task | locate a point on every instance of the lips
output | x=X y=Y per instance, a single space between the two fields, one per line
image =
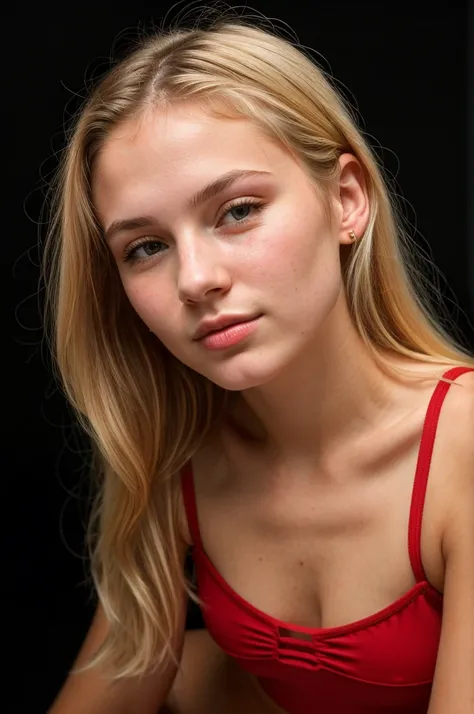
x=224 y=327
x=209 y=326
x=231 y=335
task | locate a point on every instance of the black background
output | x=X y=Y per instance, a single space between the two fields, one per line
x=405 y=67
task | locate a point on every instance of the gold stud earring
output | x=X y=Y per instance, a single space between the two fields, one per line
x=352 y=236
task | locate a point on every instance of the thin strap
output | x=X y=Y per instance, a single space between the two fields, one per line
x=423 y=468
x=189 y=498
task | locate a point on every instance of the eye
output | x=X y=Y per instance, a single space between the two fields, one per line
x=130 y=254
x=243 y=203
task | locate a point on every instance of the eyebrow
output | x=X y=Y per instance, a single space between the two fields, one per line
x=200 y=197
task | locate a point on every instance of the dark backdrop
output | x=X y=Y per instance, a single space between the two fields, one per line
x=405 y=65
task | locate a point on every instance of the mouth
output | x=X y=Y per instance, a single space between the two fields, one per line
x=225 y=327
x=231 y=334
x=221 y=324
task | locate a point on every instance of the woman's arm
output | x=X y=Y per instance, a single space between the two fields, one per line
x=91 y=693
x=453 y=686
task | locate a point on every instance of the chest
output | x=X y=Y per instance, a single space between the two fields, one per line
x=323 y=553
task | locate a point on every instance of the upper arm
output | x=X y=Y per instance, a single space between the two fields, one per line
x=453 y=686
x=90 y=693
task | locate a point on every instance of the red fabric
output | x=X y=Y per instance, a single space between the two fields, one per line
x=382 y=663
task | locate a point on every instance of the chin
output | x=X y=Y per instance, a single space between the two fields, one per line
x=236 y=384
x=246 y=371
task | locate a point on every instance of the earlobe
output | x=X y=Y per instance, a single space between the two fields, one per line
x=349 y=237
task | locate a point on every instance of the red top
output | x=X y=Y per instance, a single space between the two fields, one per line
x=382 y=663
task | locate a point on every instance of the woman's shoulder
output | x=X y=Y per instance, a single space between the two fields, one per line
x=207 y=466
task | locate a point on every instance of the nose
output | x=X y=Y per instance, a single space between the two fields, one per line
x=201 y=271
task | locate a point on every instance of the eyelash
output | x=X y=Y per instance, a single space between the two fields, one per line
x=128 y=254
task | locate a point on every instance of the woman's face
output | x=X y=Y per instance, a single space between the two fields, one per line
x=182 y=262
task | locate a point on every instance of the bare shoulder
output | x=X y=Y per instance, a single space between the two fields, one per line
x=206 y=461
x=457 y=413
x=456 y=444
x=459 y=400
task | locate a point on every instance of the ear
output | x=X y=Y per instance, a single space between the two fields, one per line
x=351 y=197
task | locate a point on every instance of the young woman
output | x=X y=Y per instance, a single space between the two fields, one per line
x=236 y=322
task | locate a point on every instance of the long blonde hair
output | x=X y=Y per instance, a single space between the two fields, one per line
x=145 y=412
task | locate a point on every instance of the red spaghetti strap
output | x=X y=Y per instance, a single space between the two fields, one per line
x=423 y=467
x=189 y=498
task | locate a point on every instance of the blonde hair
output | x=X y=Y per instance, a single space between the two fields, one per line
x=145 y=412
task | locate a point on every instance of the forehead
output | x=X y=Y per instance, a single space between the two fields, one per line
x=185 y=131
x=172 y=152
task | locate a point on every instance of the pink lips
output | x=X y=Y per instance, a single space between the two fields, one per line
x=229 y=336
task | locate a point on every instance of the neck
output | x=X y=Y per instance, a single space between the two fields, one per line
x=331 y=398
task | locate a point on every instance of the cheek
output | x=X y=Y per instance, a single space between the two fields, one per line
x=317 y=282
x=162 y=314
x=295 y=257
x=152 y=306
